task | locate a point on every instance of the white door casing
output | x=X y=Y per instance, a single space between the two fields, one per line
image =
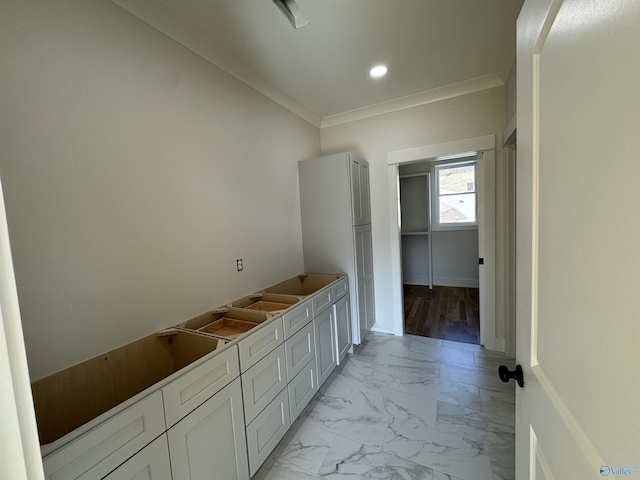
x=578 y=234
x=484 y=146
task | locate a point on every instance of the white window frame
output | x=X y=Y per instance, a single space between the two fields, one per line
x=435 y=200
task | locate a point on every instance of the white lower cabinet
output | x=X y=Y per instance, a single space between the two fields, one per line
x=326 y=357
x=108 y=445
x=150 y=463
x=266 y=430
x=341 y=310
x=302 y=389
x=299 y=350
x=262 y=382
x=210 y=442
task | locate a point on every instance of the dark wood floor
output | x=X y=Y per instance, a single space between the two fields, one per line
x=448 y=313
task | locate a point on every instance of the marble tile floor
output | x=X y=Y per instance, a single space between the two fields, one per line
x=404 y=408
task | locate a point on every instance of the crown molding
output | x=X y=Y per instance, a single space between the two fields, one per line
x=429 y=96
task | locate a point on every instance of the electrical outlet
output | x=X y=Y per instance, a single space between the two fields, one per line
x=239 y=265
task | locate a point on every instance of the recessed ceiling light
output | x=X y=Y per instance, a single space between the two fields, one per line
x=378 y=71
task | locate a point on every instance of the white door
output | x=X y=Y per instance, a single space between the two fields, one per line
x=578 y=237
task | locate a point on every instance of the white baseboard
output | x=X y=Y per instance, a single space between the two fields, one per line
x=456 y=282
x=415 y=280
x=384 y=330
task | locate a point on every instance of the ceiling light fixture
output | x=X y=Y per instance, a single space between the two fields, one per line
x=378 y=71
x=293 y=12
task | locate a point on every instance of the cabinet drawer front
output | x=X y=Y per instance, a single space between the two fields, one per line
x=262 y=382
x=195 y=387
x=321 y=301
x=151 y=463
x=297 y=318
x=299 y=350
x=340 y=289
x=302 y=389
x=108 y=445
x=210 y=442
x=268 y=428
x=260 y=343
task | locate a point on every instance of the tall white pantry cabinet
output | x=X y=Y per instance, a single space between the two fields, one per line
x=336 y=228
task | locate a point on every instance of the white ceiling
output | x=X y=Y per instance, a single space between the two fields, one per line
x=322 y=69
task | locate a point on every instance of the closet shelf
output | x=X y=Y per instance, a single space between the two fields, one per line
x=417 y=232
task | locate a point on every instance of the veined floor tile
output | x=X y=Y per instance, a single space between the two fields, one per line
x=444 y=452
x=351 y=460
x=277 y=469
x=409 y=360
x=499 y=401
x=373 y=374
x=471 y=376
x=305 y=446
x=401 y=407
x=350 y=421
x=439 y=353
x=440 y=389
x=481 y=427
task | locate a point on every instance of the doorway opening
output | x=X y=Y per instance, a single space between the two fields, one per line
x=439 y=248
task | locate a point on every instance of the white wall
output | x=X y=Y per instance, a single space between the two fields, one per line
x=461 y=117
x=135 y=173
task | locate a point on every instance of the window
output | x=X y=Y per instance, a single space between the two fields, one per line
x=456 y=194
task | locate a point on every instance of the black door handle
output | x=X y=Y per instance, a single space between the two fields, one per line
x=505 y=374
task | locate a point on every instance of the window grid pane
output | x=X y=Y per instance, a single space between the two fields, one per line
x=457 y=194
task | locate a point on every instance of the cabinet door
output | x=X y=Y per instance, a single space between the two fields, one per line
x=342 y=327
x=262 y=382
x=210 y=442
x=302 y=389
x=360 y=201
x=193 y=388
x=266 y=430
x=299 y=350
x=364 y=282
x=151 y=463
x=326 y=357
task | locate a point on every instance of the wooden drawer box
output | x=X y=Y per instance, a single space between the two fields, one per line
x=110 y=444
x=227 y=323
x=262 y=382
x=270 y=303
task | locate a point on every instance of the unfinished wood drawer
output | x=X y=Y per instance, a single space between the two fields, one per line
x=302 y=389
x=260 y=343
x=297 y=318
x=340 y=289
x=266 y=430
x=299 y=350
x=196 y=386
x=321 y=301
x=105 y=447
x=262 y=382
